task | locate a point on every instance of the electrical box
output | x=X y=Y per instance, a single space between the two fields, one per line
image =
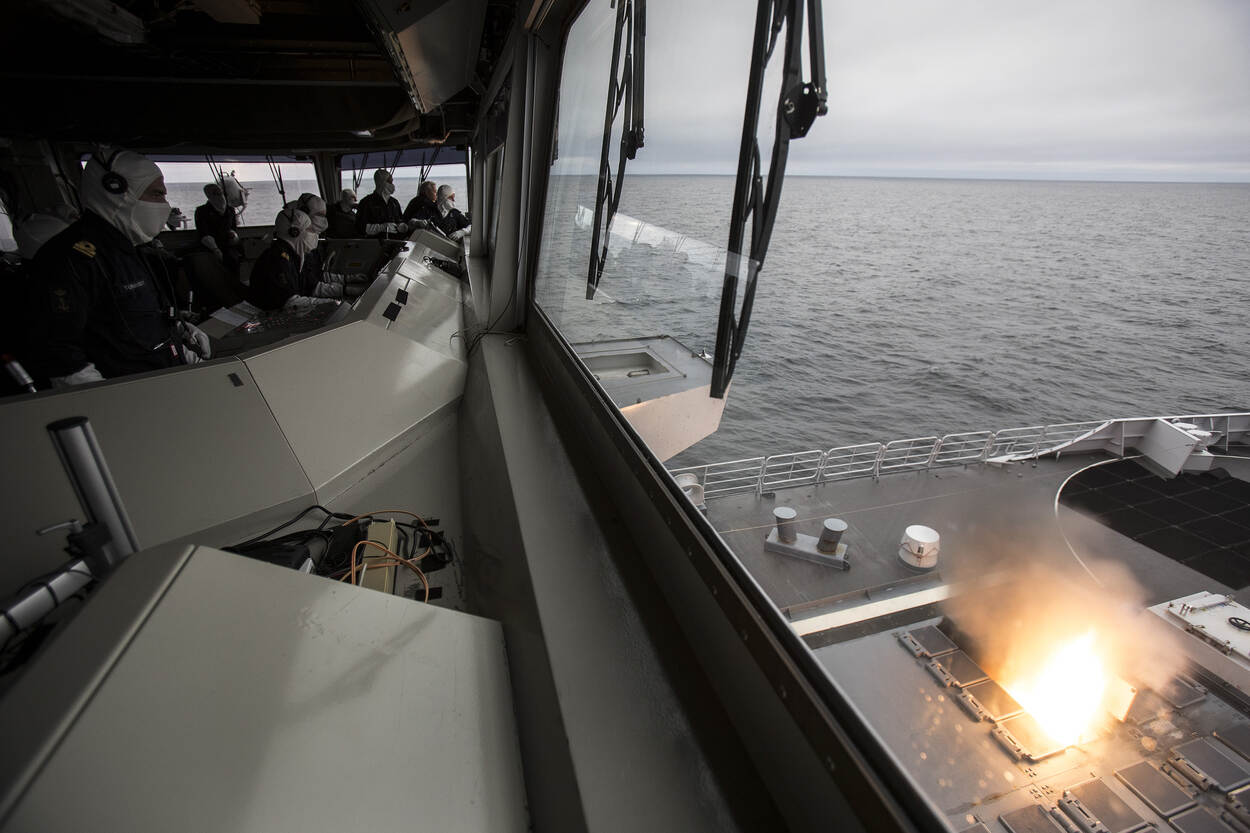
x=379 y=571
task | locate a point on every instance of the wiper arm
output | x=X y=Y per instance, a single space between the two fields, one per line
x=798 y=106
x=625 y=87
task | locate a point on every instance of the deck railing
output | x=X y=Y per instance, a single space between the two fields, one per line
x=800 y=468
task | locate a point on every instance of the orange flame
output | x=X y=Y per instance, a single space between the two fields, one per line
x=1065 y=692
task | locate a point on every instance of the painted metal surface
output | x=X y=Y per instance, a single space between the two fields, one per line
x=189 y=449
x=254 y=698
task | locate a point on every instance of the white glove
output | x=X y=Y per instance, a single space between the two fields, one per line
x=194 y=342
x=303 y=301
x=462 y=233
x=78 y=377
x=392 y=228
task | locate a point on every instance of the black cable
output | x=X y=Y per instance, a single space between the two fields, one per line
x=329 y=514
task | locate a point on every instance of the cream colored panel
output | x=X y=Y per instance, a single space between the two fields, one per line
x=345 y=396
x=255 y=698
x=188 y=448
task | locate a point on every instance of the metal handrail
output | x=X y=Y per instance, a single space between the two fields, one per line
x=776 y=471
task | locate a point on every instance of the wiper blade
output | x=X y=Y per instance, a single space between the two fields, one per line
x=625 y=89
x=798 y=105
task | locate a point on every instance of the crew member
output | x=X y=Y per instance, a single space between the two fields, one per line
x=422 y=209
x=316 y=280
x=100 y=310
x=379 y=214
x=218 y=226
x=454 y=224
x=342 y=216
x=276 y=273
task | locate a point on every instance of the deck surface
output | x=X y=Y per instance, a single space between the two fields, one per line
x=990 y=519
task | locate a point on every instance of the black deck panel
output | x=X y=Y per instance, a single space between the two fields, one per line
x=1218 y=530
x=1133 y=521
x=1182 y=484
x=1130 y=492
x=1214 y=500
x=1199 y=820
x=1184 y=518
x=1236 y=738
x=1106 y=806
x=1167 y=509
x=1176 y=543
x=1226 y=566
x=997 y=703
x=961 y=666
x=1224 y=770
x=1031 y=819
x=932 y=640
x=1180 y=693
x=1159 y=792
x=1239 y=516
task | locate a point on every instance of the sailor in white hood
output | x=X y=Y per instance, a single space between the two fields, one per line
x=102 y=308
x=379 y=214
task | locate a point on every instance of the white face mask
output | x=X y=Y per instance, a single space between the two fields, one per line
x=142 y=220
x=445 y=205
x=320 y=223
x=310 y=240
x=219 y=203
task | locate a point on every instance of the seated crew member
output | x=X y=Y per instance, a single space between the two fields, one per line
x=422 y=209
x=316 y=281
x=342 y=216
x=276 y=280
x=454 y=224
x=100 y=310
x=379 y=214
x=218 y=226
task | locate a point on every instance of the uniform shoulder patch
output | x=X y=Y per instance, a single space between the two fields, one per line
x=86 y=247
x=286 y=256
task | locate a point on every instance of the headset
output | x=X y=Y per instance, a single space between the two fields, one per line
x=293 y=231
x=112 y=181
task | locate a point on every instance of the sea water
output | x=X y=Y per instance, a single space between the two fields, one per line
x=893 y=308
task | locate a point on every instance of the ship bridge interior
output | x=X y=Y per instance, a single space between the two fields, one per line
x=576 y=650
x=416 y=560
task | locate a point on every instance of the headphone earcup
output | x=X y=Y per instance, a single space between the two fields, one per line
x=114 y=183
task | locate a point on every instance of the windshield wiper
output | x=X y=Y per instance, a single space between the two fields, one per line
x=625 y=87
x=798 y=106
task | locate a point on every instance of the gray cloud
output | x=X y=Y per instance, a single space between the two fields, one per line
x=1119 y=89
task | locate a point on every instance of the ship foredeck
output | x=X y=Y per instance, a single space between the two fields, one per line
x=991 y=518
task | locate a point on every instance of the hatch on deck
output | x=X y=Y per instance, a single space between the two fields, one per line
x=661 y=386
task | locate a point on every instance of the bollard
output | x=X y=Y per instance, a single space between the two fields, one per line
x=831 y=535
x=784 y=515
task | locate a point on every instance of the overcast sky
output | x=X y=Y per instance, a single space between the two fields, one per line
x=1097 y=89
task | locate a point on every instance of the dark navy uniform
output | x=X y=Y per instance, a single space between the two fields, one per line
x=452 y=222
x=210 y=223
x=421 y=208
x=98 y=300
x=275 y=276
x=372 y=210
x=342 y=224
